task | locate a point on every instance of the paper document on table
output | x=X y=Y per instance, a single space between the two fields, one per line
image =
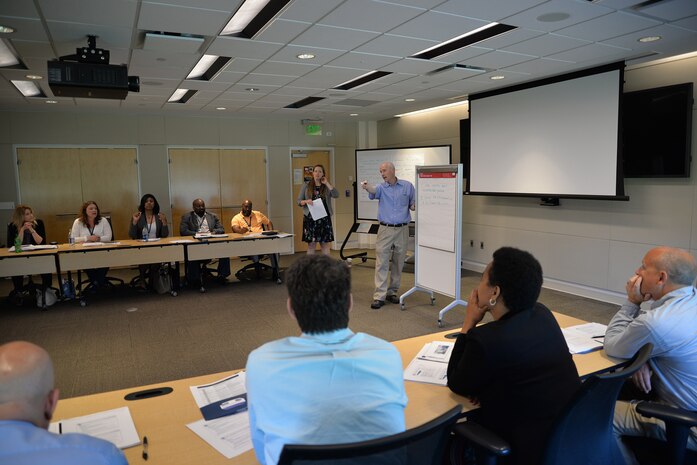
x=584 y=338
x=426 y=371
x=283 y=234
x=437 y=351
x=152 y=239
x=96 y=244
x=115 y=426
x=30 y=247
x=221 y=398
x=182 y=241
x=228 y=435
x=317 y=210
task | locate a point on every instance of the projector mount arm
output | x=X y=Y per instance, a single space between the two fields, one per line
x=89 y=54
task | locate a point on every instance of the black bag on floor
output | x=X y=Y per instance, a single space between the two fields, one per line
x=163 y=280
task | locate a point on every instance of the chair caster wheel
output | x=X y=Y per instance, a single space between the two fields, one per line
x=278 y=281
x=83 y=303
x=364 y=259
x=202 y=290
x=174 y=293
x=440 y=324
x=44 y=308
x=433 y=300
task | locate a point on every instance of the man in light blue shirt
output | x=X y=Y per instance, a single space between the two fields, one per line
x=27 y=402
x=395 y=198
x=329 y=385
x=666 y=276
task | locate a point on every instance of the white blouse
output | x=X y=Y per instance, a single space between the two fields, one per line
x=81 y=232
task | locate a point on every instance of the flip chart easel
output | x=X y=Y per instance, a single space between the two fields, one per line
x=438 y=234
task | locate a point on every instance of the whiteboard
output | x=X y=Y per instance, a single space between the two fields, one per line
x=439 y=229
x=405 y=161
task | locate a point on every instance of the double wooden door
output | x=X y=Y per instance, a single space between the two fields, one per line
x=55 y=181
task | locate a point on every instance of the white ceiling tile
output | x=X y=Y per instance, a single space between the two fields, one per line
x=297 y=91
x=169 y=60
x=668 y=33
x=542 y=67
x=333 y=37
x=309 y=10
x=290 y=54
x=396 y=46
x=487 y=9
x=605 y=27
x=413 y=66
x=437 y=26
x=171 y=18
x=220 y=5
x=369 y=15
x=27 y=48
x=254 y=79
x=498 y=59
x=364 y=61
x=242 y=48
x=115 y=13
x=25 y=29
x=172 y=44
x=18 y=9
x=670 y=11
x=577 y=11
x=509 y=38
x=73 y=35
x=285 y=69
x=205 y=85
x=547 y=44
x=282 y=31
x=588 y=52
x=687 y=23
x=461 y=55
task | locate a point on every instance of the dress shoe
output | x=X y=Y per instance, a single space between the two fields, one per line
x=393 y=299
x=377 y=304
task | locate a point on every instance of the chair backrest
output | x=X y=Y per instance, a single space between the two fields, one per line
x=422 y=445
x=582 y=435
x=113 y=236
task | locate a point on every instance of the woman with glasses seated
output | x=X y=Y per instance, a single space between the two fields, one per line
x=148 y=222
x=517 y=368
x=30 y=231
x=91 y=226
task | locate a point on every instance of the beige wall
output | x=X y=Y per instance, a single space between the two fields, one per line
x=587 y=247
x=152 y=134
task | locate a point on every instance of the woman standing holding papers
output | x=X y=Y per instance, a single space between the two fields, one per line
x=90 y=226
x=30 y=231
x=317 y=189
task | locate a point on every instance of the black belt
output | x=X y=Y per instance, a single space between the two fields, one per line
x=394 y=225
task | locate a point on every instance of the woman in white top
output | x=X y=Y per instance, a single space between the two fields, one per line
x=90 y=226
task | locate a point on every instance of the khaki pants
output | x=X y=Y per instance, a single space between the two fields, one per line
x=628 y=422
x=390 y=253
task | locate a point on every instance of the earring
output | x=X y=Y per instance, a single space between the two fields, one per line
x=492 y=302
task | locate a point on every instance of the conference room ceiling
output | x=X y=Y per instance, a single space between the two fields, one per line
x=348 y=39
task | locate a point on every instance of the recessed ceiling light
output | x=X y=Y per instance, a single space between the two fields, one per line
x=306 y=56
x=353 y=114
x=221 y=108
x=553 y=17
x=34 y=77
x=51 y=101
x=497 y=77
x=409 y=99
x=252 y=89
x=6 y=30
x=650 y=39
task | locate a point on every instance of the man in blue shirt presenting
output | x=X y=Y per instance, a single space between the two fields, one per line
x=27 y=402
x=328 y=385
x=395 y=198
x=666 y=277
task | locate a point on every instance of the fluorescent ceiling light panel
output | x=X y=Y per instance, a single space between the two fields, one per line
x=181 y=96
x=252 y=16
x=426 y=110
x=208 y=67
x=304 y=102
x=361 y=80
x=8 y=58
x=28 y=88
x=469 y=38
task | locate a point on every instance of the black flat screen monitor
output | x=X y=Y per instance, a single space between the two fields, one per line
x=657 y=132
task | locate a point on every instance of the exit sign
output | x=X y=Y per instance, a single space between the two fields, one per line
x=313 y=130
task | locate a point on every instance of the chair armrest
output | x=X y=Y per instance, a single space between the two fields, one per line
x=667 y=413
x=481 y=437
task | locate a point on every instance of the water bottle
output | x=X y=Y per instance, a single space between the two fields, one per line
x=18 y=244
x=71 y=240
x=145 y=235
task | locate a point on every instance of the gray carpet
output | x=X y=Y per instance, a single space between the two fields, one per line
x=124 y=338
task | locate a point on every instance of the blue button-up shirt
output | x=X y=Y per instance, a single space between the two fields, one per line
x=334 y=387
x=394 y=201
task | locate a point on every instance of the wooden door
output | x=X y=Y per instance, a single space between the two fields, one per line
x=193 y=174
x=49 y=182
x=304 y=161
x=110 y=178
x=242 y=176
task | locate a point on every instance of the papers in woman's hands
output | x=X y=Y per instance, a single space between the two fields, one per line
x=317 y=210
x=115 y=426
x=228 y=434
x=584 y=338
x=431 y=364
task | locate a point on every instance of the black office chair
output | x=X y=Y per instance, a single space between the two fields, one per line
x=258 y=269
x=581 y=435
x=111 y=280
x=423 y=445
x=672 y=451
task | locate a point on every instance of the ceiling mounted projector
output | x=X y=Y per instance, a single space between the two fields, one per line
x=88 y=74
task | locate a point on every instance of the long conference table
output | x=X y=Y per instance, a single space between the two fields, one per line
x=137 y=252
x=163 y=419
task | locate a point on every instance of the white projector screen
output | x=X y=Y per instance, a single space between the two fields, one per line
x=553 y=138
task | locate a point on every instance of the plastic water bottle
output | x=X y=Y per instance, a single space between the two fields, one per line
x=18 y=244
x=145 y=235
x=71 y=240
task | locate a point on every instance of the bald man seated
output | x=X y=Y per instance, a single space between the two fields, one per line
x=27 y=402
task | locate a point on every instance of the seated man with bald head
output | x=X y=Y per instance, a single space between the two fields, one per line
x=666 y=278
x=27 y=401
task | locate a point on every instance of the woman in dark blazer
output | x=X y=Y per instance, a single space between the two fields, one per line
x=517 y=367
x=30 y=231
x=148 y=222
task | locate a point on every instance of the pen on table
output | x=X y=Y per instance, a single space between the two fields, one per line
x=60 y=428
x=145 y=448
x=598 y=337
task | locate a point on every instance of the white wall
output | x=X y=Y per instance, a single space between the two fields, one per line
x=586 y=247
